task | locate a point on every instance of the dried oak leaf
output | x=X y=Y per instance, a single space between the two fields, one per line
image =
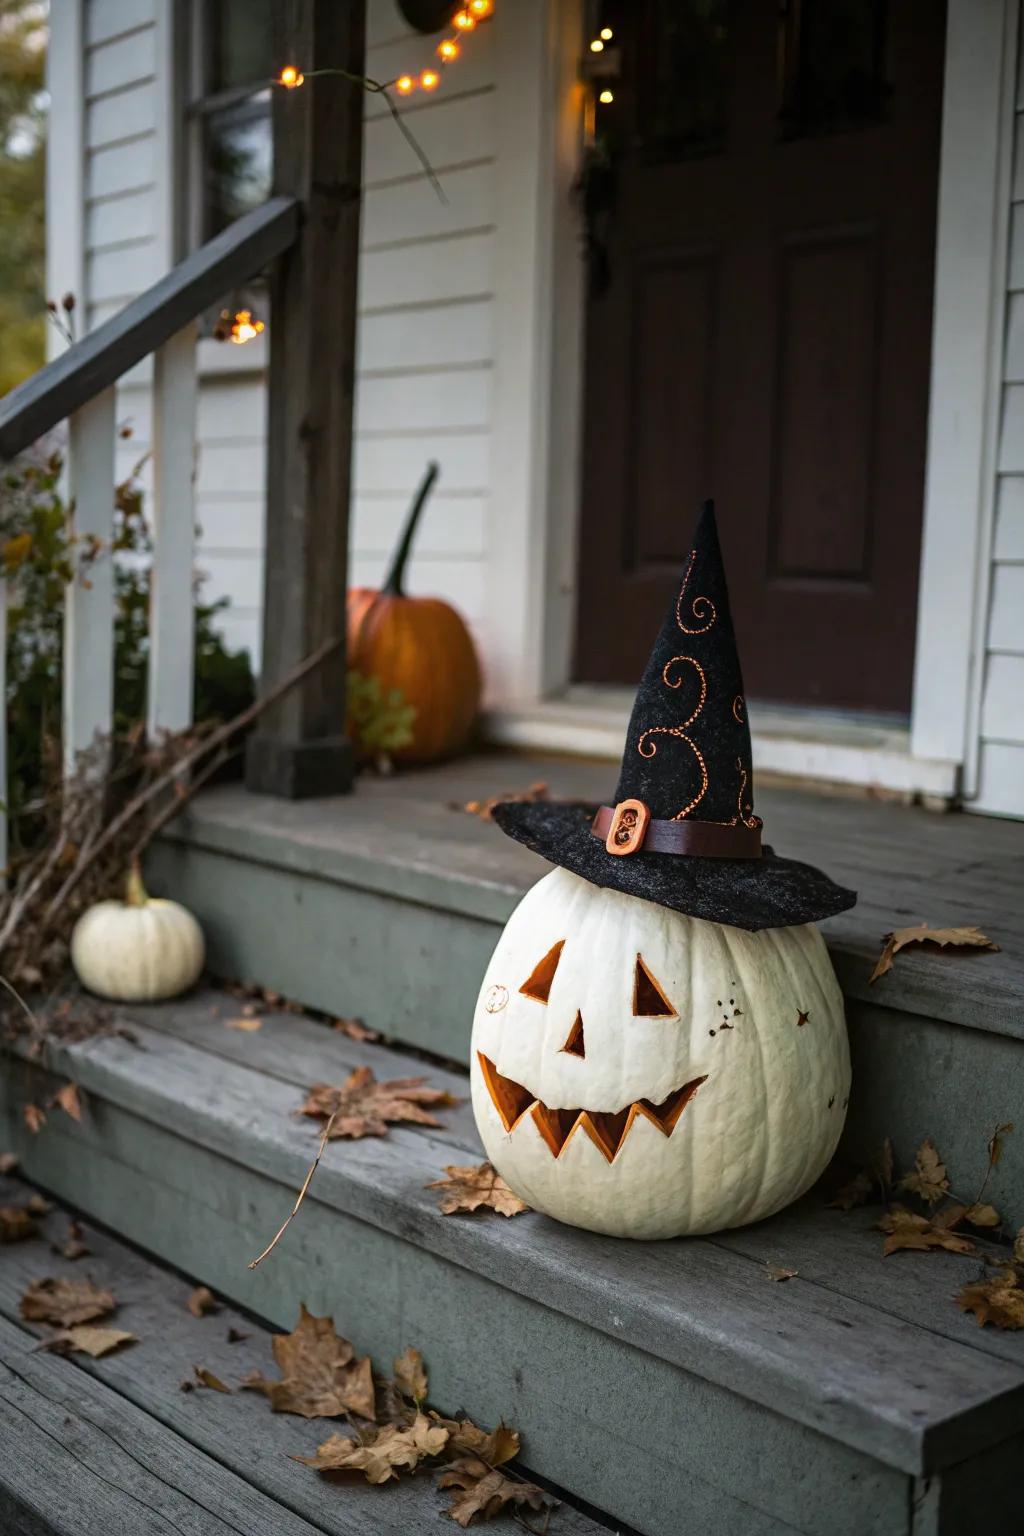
x=410 y=1375
x=494 y=1446
x=929 y=1179
x=201 y=1301
x=69 y=1099
x=96 y=1342
x=908 y=1230
x=380 y=1454
x=484 y=808
x=961 y=938
x=981 y=1215
x=364 y=1107
x=999 y=1301
x=320 y=1376
x=775 y=1272
x=65 y=1302
x=205 y=1378
x=33 y=1117
x=486 y=1492
x=467 y=1189
x=16 y=1223
x=355 y=1029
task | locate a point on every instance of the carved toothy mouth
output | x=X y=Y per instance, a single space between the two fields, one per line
x=607 y=1129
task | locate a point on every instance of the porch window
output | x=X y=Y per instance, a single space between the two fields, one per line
x=228 y=113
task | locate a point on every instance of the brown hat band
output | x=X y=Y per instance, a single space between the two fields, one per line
x=630 y=827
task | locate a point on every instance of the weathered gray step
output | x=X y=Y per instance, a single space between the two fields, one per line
x=114 y=1447
x=387 y=904
x=80 y=1459
x=648 y=1379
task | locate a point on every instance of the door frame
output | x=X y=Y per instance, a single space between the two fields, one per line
x=532 y=576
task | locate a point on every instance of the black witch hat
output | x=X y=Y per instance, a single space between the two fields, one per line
x=682 y=830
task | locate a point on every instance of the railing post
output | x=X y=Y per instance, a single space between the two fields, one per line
x=89 y=611
x=300 y=748
x=171 y=602
x=5 y=789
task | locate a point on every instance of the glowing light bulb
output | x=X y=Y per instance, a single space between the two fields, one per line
x=606 y=97
x=404 y=84
x=430 y=80
x=481 y=8
x=597 y=46
x=606 y=33
x=464 y=21
x=290 y=77
x=244 y=327
x=448 y=50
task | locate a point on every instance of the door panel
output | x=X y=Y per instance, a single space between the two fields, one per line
x=759 y=331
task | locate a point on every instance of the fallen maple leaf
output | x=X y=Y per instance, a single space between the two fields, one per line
x=69 y=1100
x=355 y=1029
x=65 y=1302
x=320 y=1376
x=380 y=1454
x=410 y=1374
x=16 y=1223
x=73 y=1246
x=908 y=1230
x=96 y=1342
x=857 y=1191
x=929 y=1179
x=364 y=1107
x=466 y=1189
x=999 y=1301
x=966 y=938
x=485 y=1491
x=34 y=1118
x=494 y=1446
x=776 y=1273
x=201 y=1301
x=206 y=1378
x=248 y=1022
x=981 y=1215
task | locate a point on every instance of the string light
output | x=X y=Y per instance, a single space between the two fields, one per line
x=404 y=84
x=242 y=328
x=430 y=80
x=291 y=78
x=606 y=97
x=607 y=34
x=448 y=50
x=481 y=8
x=597 y=46
x=464 y=21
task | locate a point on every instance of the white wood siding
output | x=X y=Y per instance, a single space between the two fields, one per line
x=426 y=322
x=1000 y=778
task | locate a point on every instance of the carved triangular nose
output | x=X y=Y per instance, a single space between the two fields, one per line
x=575 y=1044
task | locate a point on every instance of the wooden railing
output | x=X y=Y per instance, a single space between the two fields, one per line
x=80 y=387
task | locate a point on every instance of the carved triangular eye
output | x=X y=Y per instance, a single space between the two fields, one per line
x=575 y=1045
x=649 y=1001
x=538 y=984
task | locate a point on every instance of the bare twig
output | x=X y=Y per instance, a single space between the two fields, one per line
x=282 y=1229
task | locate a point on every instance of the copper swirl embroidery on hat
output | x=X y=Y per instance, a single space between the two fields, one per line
x=698 y=608
x=746 y=816
x=739 y=706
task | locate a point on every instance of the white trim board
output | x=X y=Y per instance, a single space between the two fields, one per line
x=65 y=162
x=967 y=338
x=822 y=747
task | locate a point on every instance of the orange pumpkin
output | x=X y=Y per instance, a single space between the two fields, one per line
x=420 y=646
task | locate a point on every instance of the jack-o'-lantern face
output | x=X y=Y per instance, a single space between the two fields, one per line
x=648 y=1074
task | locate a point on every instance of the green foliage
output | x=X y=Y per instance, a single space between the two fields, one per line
x=378 y=723
x=40 y=555
x=22 y=203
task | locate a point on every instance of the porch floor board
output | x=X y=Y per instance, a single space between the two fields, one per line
x=401 y=834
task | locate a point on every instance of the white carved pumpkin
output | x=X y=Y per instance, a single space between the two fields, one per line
x=651 y=1075
x=139 y=950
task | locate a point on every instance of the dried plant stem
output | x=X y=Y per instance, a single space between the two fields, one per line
x=162 y=782
x=282 y=1229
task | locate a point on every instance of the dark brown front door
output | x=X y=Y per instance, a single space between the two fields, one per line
x=758 y=330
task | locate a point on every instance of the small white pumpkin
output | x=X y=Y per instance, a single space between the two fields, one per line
x=649 y=1075
x=140 y=950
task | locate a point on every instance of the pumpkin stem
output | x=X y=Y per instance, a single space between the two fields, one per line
x=396 y=575
x=134 y=891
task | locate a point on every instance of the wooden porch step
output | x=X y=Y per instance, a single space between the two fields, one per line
x=115 y=1447
x=387 y=904
x=647 y=1379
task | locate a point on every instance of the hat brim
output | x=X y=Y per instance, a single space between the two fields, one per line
x=768 y=892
